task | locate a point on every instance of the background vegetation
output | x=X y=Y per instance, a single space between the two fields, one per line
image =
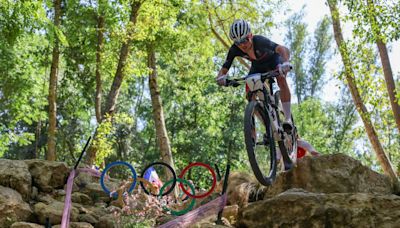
x=189 y=42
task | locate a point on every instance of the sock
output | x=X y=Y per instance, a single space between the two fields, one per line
x=286 y=111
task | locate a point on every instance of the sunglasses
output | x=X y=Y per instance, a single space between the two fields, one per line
x=242 y=41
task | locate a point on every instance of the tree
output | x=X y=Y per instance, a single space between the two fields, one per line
x=158 y=111
x=120 y=74
x=308 y=55
x=51 y=143
x=296 y=39
x=374 y=23
x=350 y=78
x=99 y=53
x=318 y=56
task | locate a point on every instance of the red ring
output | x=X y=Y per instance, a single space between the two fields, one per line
x=207 y=167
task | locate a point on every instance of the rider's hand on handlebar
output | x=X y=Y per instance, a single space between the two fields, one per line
x=284 y=68
x=221 y=80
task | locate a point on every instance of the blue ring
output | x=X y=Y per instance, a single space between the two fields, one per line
x=114 y=164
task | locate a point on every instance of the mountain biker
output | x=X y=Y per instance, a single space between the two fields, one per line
x=265 y=56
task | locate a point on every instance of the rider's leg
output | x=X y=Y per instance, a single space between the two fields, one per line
x=285 y=99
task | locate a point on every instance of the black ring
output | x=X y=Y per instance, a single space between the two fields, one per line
x=164 y=164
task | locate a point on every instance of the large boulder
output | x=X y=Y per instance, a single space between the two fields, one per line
x=298 y=208
x=15 y=174
x=26 y=225
x=48 y=175
x=12 y=207
x=335 y=173
x=107 y=221
x=54 y=212
x=94 y=191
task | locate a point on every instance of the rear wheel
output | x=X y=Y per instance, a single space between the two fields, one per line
x=260 y=144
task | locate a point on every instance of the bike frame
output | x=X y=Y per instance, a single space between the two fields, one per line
x=267 y=100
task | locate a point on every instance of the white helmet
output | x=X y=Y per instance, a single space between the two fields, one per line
x=239 y=29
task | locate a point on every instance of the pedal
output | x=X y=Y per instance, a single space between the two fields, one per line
x=265 y=139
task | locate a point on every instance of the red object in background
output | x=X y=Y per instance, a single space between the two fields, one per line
x=300 y=152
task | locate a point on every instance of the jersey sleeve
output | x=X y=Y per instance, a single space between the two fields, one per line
x=230 y=57
x=267 y=43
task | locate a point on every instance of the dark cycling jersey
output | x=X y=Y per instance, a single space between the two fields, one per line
x=266 y=57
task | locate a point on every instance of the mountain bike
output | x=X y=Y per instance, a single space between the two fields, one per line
x=266 y=141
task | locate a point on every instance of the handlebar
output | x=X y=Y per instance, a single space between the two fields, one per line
x=235 y=82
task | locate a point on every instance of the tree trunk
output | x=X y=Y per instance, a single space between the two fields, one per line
x=349 y=74
x=390 y=84
x=99 y=52
x=37 y=138
x=119 y=76
x=158 y=113
x=387 y=69
x=51 y=143
x=123 y=55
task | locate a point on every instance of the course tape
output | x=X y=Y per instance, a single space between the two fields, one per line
x=190 y=218
x=67 y=202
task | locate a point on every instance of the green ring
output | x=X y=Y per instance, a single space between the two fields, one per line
x=184 y=211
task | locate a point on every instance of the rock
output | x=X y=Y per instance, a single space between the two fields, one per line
x=298 y=208
x=26 y=225
x=336 y=173
x=243 y=187
x=35 y=193
x=15 y=174
x=81 y=198
x=87 y=218
x=54 y=212
x=210 y=222
x=45 y=198
x=76 y=225
x=231 y=213
x=107 y=221
x=48 y=175
x=95 y=192
x=12 y=207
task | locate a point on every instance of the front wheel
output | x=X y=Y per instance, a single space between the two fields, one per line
x=260 y=144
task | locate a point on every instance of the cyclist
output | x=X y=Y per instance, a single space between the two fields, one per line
x=264 y=55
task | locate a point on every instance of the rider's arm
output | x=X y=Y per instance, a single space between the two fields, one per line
x=223 y=71
x=232 y=53
x=283 y=52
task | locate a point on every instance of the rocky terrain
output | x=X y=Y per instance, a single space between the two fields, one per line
x=326 y=191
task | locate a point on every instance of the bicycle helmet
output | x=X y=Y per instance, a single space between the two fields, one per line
x=239 y=30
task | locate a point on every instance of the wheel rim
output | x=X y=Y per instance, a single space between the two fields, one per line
x=259 y=144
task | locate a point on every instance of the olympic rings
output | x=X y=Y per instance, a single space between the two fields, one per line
x=115 y=194
x=173 y=183
x=207 y=167
x=184 y=211
x=174 y=180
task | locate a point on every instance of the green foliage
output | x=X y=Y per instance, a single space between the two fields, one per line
x=329 y=127
x=204 y=121
x=308 y=56
x=375 y=19
x=106 y=135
